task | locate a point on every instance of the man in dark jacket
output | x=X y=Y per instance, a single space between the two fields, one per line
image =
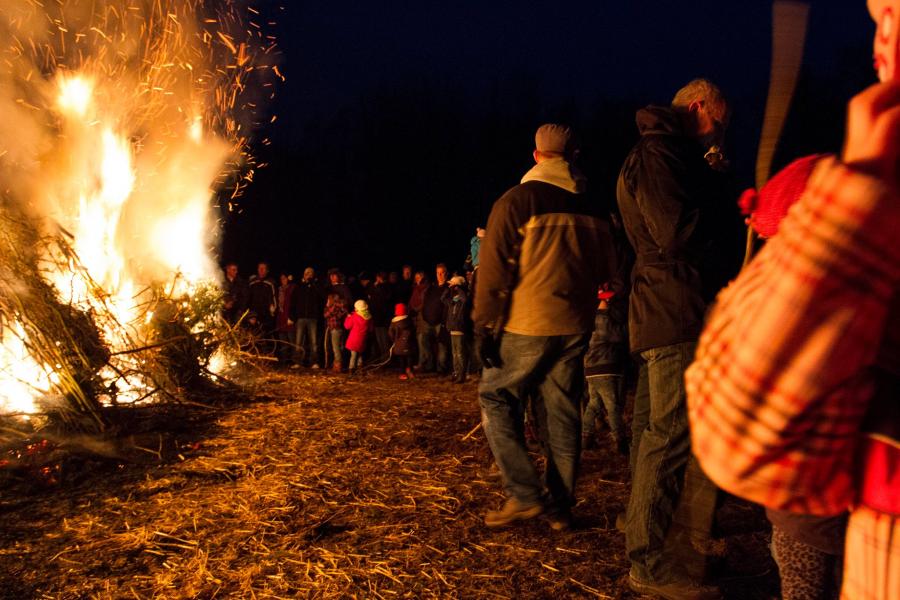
x=665 y=187
x=430 y=330
x=380 y=298
x=262 y=302
x=310 y=301
x=545 y=252
x=238 y=293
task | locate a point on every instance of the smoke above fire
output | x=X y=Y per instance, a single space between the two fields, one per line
x=121 y=123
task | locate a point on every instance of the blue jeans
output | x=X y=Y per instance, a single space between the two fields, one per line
x=605 y=390
x=336 y=336
x=550 y=369
x=460 y=349
x=307 y=329
x=661 y=449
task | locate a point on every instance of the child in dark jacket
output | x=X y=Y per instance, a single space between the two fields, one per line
x=456 y=297
x=604 y=367
x=401 y=334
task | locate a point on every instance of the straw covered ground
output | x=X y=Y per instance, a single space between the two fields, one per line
x=312 y=486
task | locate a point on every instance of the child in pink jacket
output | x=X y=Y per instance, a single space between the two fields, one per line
x=358 y=324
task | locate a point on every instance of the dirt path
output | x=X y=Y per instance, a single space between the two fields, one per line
x=320 y=487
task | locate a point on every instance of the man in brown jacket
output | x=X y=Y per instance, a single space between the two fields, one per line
x=545 y=252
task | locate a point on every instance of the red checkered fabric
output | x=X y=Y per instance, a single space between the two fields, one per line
x=783 y=372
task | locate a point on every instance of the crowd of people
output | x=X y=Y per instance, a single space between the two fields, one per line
x=399 y=318
x=781 y=388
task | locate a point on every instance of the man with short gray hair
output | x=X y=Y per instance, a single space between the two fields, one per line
x=664 y=190
x=545 y=251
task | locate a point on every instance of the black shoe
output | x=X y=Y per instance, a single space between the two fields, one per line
x=675 y=590
x=512 y=511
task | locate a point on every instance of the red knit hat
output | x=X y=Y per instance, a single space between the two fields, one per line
x=769 y=206
x=399 y=310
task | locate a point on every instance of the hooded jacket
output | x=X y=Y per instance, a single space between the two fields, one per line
x=545 y=251
x=358 y=327
x=456 y=299
x=401 y=333
x=608 y=349
x=664 y=187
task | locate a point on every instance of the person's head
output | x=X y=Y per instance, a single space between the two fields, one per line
x=457 y=280
x=284 y=278
x=393 y=277
x=420 y=277
x=231 y=271
x=407 y=272
x=704 y=111
x=399 y=310
x=334 y=276
x=440 y=273
x=380 y=277
x=360 y=306
x=309 y=274
x=262 y=270
x=886 y=14
x=553 y=140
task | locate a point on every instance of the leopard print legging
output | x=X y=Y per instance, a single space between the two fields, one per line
x=806 y=573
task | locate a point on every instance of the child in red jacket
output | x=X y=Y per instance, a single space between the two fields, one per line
x=358 y=325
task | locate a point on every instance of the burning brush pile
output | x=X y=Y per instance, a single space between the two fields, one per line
x=122 y=125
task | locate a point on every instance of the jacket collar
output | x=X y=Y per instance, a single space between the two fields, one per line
x=558 y=172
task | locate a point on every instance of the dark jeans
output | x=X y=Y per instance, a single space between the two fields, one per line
x=550 y=368
x=382 y=344
x=428 y=336
x=307 y=330
x=606 y=391
x=285 y=345
x=460 y=355
x=661 y=448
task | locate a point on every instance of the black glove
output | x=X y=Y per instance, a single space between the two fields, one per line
x=487 y=343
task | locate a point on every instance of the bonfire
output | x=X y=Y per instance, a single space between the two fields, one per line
x=125 y=128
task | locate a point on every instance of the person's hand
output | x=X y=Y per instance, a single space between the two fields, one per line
x=487 y=344
x=873 y=132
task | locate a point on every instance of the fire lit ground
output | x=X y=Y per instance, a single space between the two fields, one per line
x=313 y=485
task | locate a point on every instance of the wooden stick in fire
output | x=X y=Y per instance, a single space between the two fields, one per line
x=790 y=19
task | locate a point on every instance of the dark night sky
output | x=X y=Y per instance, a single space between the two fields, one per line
x=401 y=122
